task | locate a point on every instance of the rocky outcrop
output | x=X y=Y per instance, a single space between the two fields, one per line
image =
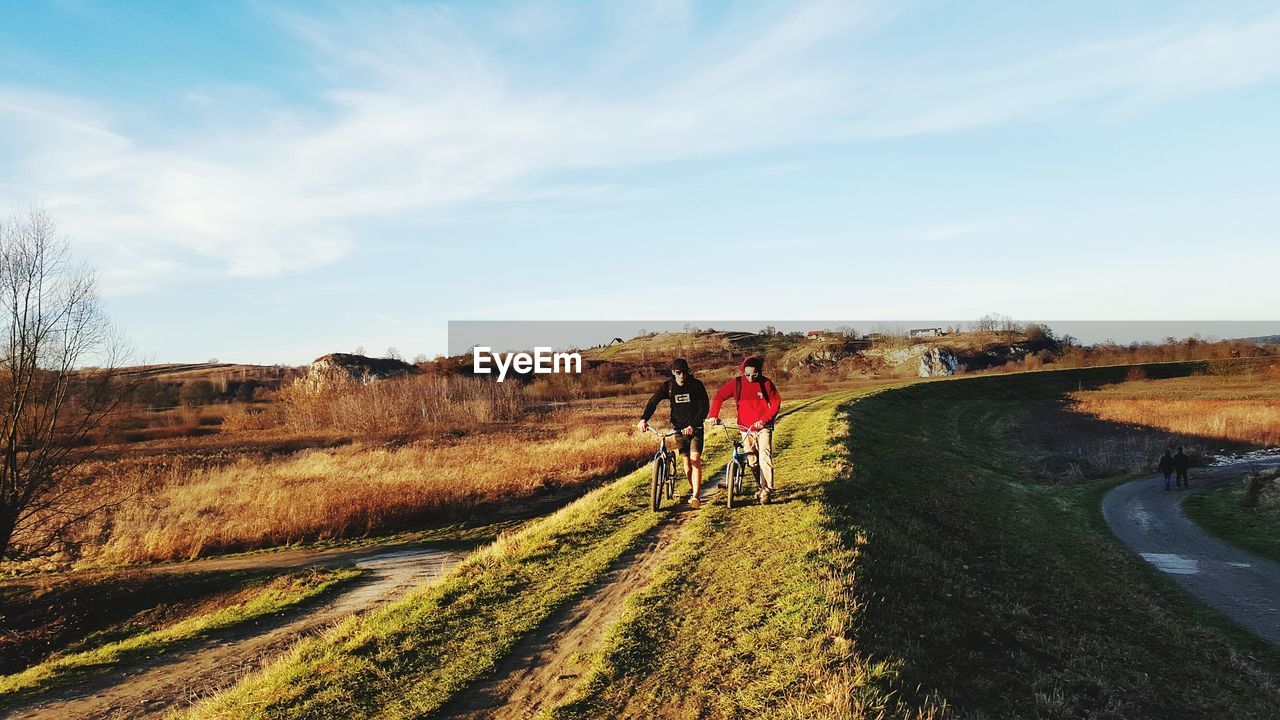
x=820 y=355
x=938 y=362
x=338 y=369
x=895 y=354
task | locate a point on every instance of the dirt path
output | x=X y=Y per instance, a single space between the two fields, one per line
x=1149 y=519
x=546 y=665
x=178 y=679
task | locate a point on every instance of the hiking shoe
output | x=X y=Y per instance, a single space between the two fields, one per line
x=694 y=502
x=722 y=485
x=764 y=497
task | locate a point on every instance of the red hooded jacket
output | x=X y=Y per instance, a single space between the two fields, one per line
x=759 y=401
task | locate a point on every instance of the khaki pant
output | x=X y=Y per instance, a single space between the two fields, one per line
x=760 y=457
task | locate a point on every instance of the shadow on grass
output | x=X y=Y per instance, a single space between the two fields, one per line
x=1005 y=596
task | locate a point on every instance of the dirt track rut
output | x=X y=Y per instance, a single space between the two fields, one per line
x=178 y=679
x=546 y=665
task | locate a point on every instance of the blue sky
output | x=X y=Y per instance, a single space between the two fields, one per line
x=268 y=182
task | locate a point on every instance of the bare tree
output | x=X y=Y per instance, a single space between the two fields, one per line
x=55 y=323
x=992 y=322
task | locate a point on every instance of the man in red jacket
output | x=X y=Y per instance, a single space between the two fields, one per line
x=757 y=402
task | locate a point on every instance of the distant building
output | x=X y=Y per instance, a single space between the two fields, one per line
x=616 y=341
x=925 y=332
x=816 y=334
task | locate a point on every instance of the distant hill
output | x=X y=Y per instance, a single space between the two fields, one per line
x=698 y=348
x=186 y=372
x=1263 y=339
x=711 y=351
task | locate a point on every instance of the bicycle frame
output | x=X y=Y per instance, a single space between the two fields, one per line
x=664 y=469
x=736 y=468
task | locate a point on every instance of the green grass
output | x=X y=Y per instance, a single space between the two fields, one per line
x=273 y=596
x=914 y=570
x=1004 y=597
x=409 y=659
x=753 y=614
x=909 y=568
x=1218 y=511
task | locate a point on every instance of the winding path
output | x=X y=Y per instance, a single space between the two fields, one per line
x=1243 y=586
x=178 y=678
x=547 y=664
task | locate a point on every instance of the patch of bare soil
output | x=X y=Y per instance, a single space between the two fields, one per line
x=546 y=665
x=176 y=680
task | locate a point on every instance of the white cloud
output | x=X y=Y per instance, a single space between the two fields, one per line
x=417 y=113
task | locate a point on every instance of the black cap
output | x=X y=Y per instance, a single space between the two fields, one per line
x=755 y=362
x=681 y=365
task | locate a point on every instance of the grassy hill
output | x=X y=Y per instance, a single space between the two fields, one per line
x=912 y=565
x=186 y=372
x=712 y=351
x=705 y=349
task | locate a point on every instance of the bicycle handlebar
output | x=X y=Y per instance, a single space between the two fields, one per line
x=662 y=435
x=741 y=429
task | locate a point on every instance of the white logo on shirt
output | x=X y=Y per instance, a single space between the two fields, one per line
x=682 y=397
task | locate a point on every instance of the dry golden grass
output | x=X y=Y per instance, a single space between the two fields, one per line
x=1234 y=407
x=398 y=405
x=260 y=481
x=353 y=490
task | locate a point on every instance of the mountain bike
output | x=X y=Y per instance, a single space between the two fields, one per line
x=664 y=471
x=734 y=471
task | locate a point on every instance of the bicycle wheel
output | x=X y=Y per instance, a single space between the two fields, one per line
x=659 y=482
x=732 y=478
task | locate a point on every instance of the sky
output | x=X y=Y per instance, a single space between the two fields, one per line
x=272 y=181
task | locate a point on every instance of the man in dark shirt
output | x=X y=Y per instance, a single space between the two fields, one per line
x=688 y=400
x=1180 y=464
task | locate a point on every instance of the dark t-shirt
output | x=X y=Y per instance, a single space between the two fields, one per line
x=689 y=404
x=1180 y=462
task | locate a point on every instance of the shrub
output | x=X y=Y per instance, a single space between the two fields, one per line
x=250 y=419
x=197 y=392
x=399 y=405
x=1258 y=484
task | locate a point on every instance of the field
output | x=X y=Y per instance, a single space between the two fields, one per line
x=356 y=490
x=918 y=561
x=410 y=660
x=1008 y=597
x=244 y=488
x=911 y=566
x=158 y=630
x=354 y=463
x=1255 y=529
x=1243 y=407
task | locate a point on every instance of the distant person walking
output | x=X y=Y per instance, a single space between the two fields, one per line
x=1180 y=464
x=1166 y=468
x=687 y=397
x=758 y=402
